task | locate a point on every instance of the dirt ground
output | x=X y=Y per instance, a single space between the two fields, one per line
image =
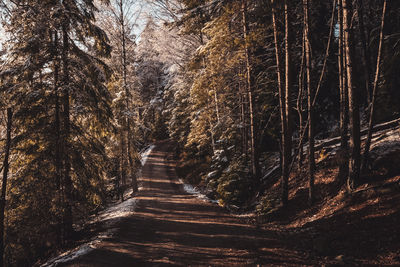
x=171 y=227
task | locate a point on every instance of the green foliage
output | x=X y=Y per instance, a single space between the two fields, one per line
x=267 y=204
x=234 y=187
x=34 y=83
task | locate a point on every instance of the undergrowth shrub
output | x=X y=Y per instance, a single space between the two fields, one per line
x=234 y=186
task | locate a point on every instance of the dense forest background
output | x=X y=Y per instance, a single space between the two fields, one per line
x=244 y=88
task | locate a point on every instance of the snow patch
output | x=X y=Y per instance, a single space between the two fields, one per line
x=121 y=210
x=212 y=174
x=193 y=191
x=72 y=254
x=145 y=155
x=109 y=216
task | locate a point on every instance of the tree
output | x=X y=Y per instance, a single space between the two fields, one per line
x=354 y=115
x=5 y=169
x=284 y=95
x=374 y=91
x=61 y=116
x=119 y=20
x=343 y=92
x=253 y=153
x=310 y=105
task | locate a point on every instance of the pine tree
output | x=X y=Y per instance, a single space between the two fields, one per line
x=56 y=83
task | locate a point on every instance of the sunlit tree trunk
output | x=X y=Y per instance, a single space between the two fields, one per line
x=125 y=129
x=242 y=99
x=310 y=106
x=343 y=155
x=300 y=103
x=288 y=91
x=282 y=109
x=254 y=161
x=5 y=168
x=122 y=164
x=354 y=115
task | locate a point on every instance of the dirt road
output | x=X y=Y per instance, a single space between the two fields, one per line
x=171 y=227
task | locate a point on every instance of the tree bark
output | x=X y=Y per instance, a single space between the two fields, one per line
x=126 y=145
x=66 y=142
x=365 y=58
x=126 y=123
x=300 y=103
x=354 y=115
x=288 y=91
x=4 y=183
x=242 y=99
x=254 y=160
x=310 y=106
x=57 y=129
x=57 y=124
x=343 y=155
x=283 y=115
x=374 y=90
x=122 y=164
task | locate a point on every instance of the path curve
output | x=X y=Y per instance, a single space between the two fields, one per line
x=171 y=227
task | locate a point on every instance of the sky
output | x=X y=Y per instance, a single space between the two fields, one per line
x=146 y=11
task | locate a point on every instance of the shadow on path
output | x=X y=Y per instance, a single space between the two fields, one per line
x=171 y=227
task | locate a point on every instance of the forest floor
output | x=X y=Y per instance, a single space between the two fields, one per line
x=340 y=228
x=172 y=227
x=357 y=229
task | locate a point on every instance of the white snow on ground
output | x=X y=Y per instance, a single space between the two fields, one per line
x=109 y=216
x=145 y=154
x=72 y=254
x=193 y=191
x=121 y=210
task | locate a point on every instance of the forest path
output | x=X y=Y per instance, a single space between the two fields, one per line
x=171 y=227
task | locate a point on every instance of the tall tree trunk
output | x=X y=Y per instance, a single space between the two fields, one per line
x=365 y=58
x=134 y=183
x=122 y=164
x=254 y=161
x=126 y=124
x=128 y=144
x=216 y=104
x=284 y=157
x=242 y=99
x=4 y=183
x=354 y=115
x=288 y=80
x=343 y=155
x=57 y=130
x=66 y=139
x=288 y=90
x=300 y=103
x=310 y=106
x=328 y=45
x=373 y=100
x=57 y=124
